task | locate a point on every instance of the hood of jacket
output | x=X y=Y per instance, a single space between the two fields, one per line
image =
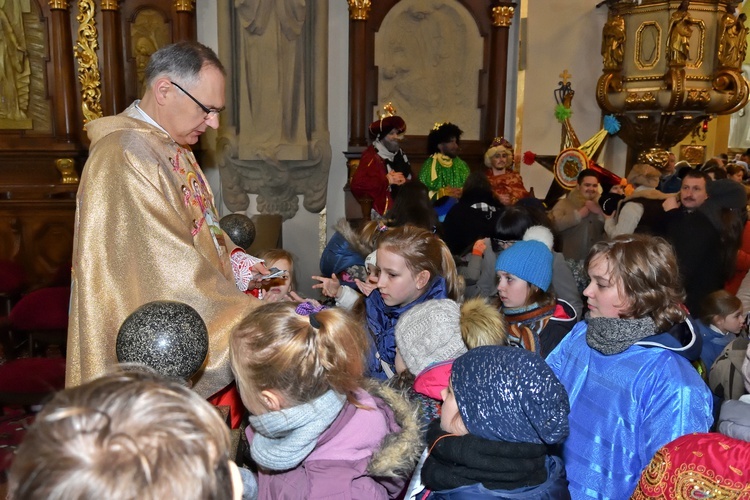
x=683 y=339
x=338 y=256
x=353 y=238
x=433 y=379
x=127 y=122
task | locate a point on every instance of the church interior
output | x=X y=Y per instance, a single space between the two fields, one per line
x=304 y=81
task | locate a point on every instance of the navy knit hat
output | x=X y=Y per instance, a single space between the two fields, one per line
x=510 y=394
x=530 y=260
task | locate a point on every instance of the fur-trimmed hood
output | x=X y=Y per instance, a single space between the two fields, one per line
x=353 y=238
x=399 y=452
x=648 y=194
x=577 y=200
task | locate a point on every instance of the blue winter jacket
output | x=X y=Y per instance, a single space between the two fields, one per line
x=713 y=343
x=381 y=320
x=338 y=255
x=625 y=406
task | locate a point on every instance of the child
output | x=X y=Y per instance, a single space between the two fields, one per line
x=502 y=410
x=431 y=335
x=277 y=289
x=537 y=320
x=415 y=266
x=627 y=368
x=345 y=296
x=301 y=377
x=344 y=254
x=721 y=321
x=131 y=434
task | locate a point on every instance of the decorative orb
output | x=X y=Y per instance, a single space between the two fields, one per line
x=169 y=337
x=239 y=228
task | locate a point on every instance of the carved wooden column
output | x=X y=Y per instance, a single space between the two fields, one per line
x=61 y=41
x=113 y=73
x=358 y=13
x=184 y=26
x=502 y=15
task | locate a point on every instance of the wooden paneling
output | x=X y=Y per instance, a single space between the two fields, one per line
x=36 y=208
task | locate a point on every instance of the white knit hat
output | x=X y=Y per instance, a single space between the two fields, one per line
x=428 y=333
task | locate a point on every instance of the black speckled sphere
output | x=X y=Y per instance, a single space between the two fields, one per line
x=239 y=228
x=169 y=337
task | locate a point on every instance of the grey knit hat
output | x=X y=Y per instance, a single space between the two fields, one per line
x=428 y=333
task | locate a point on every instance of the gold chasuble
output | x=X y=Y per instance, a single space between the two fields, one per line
x=146 y=229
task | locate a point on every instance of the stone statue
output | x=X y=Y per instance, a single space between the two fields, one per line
x=680 y=30
x=733 y=41
x=274 y=140
x=15 y=72
x=613 y=43
x=274 y=75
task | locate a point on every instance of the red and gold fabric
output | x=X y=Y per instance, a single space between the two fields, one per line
x=699 y=465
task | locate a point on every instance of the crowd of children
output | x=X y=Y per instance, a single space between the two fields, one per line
x=401 y=386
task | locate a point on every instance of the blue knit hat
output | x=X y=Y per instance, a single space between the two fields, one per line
x=530 y=260
x=510 y=394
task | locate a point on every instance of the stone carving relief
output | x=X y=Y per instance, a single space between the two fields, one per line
x=148 y=32
x=429 y=54
x=276 y=143
x=24 y=103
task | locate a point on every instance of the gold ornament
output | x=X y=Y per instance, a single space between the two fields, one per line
x=184 y=5
x=502 y=16
x=88 y=61
x=58 y=4
x=388 y=110
x=66 y=167
x=359 y=10
x=110 y=4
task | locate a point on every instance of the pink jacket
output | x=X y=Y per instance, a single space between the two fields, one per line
x=353 y=458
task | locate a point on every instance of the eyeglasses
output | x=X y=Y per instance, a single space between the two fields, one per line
x=210 y=112
x=502 y=243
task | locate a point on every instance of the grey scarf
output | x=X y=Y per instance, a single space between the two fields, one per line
x=284 y=438
x=615 y=335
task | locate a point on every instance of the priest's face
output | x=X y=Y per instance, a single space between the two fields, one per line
x=188 y=117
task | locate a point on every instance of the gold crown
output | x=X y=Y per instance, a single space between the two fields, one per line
x=388 y=110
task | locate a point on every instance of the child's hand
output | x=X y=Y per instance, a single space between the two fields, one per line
x=479 y=247
x=365 y=288
x=295 y=297
x=328 y=286
x=246 y=269
x=505 y=199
